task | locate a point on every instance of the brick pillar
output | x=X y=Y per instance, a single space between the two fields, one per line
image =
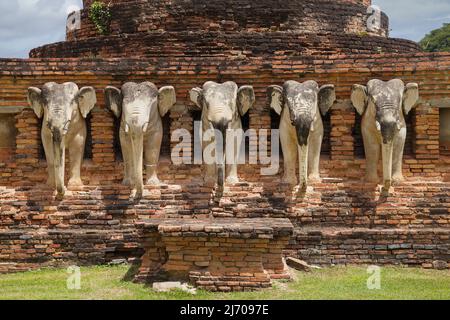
x=181 y=118
x=426 y=126
x=341 y=139
x=27 y=144
x=102 y=127
x=259 y=119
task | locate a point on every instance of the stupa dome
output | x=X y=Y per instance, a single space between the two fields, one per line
x=141 y=28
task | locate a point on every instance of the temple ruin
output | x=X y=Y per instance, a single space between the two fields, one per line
x=235 y=238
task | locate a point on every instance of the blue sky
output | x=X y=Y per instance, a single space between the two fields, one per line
x=25 y=24
x=412 y=19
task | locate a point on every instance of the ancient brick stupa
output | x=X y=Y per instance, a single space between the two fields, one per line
x=342 y=219
x=231 y=29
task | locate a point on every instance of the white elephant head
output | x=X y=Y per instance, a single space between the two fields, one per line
x=140 y=107
x=384 y=106
x=64 y=108
x=300 y=105
x=303 y=100
x=222 y=107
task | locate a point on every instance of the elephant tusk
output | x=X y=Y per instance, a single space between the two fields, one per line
x=66 y=126
x=145 y=127
x=378 y=126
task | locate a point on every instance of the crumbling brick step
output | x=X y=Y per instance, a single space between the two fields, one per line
x=215 y=254
x=414 y=247
x=30 y=248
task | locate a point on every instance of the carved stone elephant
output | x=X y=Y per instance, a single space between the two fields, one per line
x=141 y=108
x=301 y=126
x=383 y=106
x=64 y=108
x=222 y=107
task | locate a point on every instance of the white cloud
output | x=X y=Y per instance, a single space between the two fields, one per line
x=413 y=19
x=26 y=24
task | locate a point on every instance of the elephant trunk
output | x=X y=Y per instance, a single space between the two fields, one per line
x=388 y=126
x=388 y=130
x=303 y=128
x=387 y=152
x=221 y=143
x=303 y=165
x=137 y=154
x=59 y=164
x=387 y=118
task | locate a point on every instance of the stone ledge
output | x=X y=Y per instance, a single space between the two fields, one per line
x=220 y=227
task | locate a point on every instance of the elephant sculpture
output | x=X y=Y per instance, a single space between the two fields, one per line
x=383 y=107
x=300 y=106
x=222 y=105
x=64 y=108
x=141 y=108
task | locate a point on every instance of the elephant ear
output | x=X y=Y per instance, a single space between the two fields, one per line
x=113 y=98
x=410 y=97
x=359 y=98
x=327 y=97
x=196 y=96
x=275 y=96
x=34 y=98
x=245 y=98
x=86 y=99
x=166 y=100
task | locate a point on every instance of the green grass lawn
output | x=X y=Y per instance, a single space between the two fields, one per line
x=329 y=283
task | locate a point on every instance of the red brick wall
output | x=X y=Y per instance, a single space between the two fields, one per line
x=341 y=201
x=185 y=73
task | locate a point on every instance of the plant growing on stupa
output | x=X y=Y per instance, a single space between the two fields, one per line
x=100 y=15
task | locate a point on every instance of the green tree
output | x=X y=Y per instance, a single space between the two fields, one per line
x=437 y=40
